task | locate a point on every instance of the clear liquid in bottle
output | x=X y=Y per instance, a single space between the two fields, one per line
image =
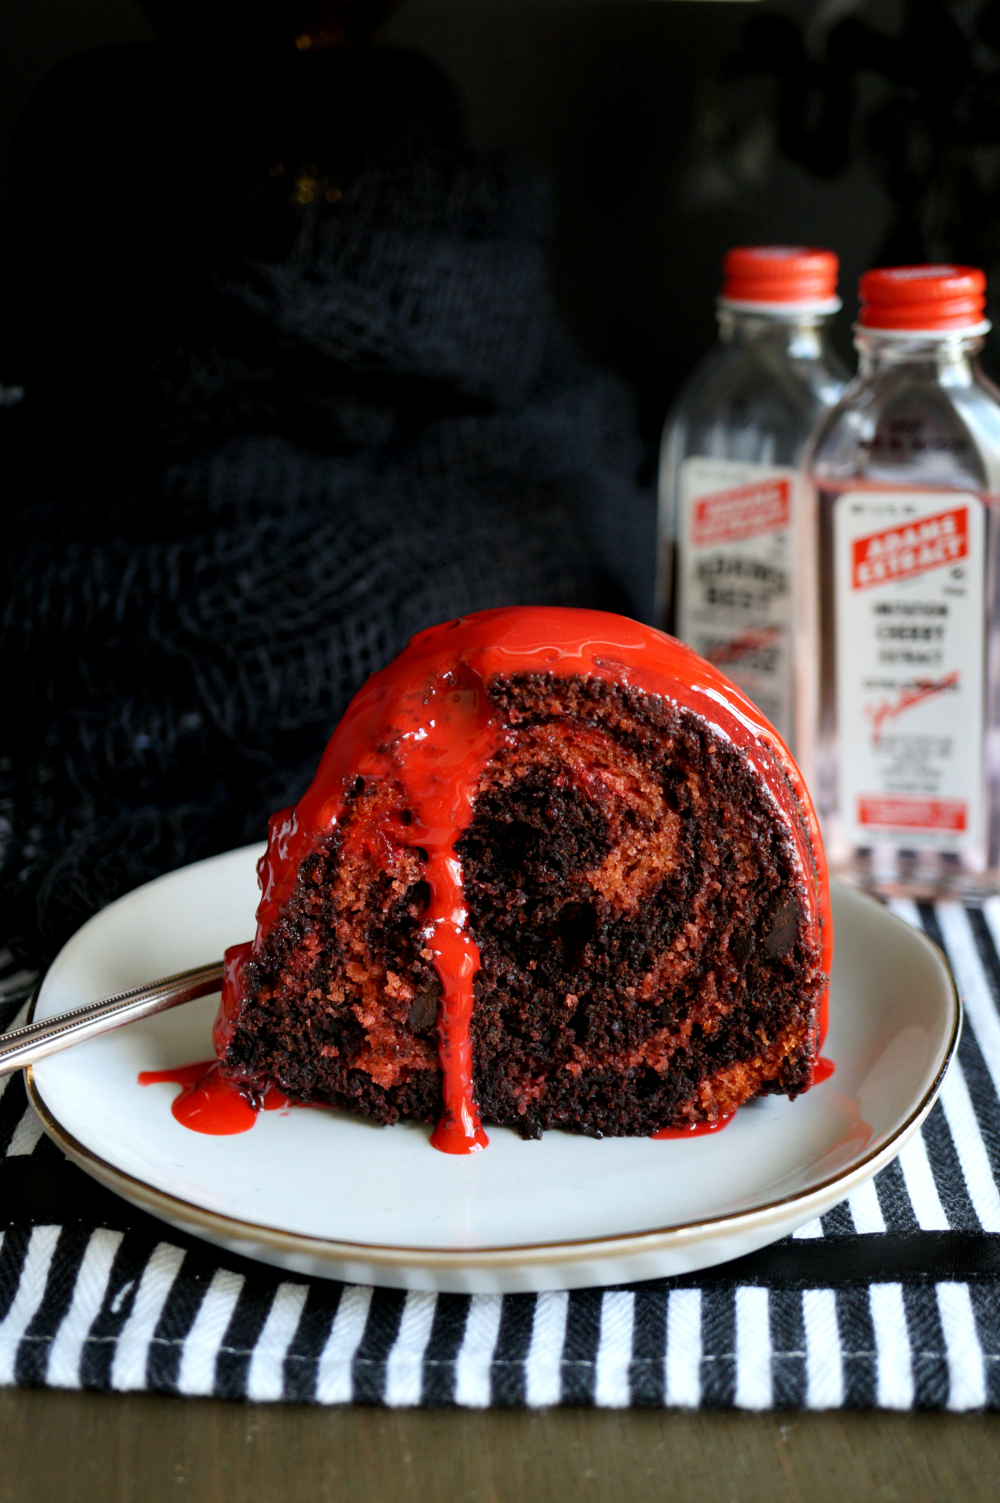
x=735 y=539
x=902 y=754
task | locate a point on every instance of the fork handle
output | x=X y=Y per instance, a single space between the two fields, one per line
x=24 y=1046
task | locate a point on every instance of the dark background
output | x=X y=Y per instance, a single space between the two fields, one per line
x=659 y=159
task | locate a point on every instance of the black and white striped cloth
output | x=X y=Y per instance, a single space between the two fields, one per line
x=892 y=1300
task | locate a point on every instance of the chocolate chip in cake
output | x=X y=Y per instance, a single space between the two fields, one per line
x=784 y=926
x=741 y=944
x=424 y=1008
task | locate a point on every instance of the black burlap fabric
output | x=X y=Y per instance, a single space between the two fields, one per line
x=312 y=397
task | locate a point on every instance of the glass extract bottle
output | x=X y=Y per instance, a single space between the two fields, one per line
x=906 y=470
x=735 y=551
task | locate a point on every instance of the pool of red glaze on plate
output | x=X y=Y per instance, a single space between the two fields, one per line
x=694 y=1129
x=210 y=1103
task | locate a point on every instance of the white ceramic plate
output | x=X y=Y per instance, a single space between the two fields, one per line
x=328 y=1194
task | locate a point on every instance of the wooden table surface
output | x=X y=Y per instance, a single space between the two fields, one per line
x=73 y=1448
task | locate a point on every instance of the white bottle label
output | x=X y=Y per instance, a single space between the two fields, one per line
x=909 y=579
x=736 y=573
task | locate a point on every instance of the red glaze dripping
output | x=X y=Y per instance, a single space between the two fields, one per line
x=695 y=1129
x=824 y=1069
x=233 y=962
x=210 y=1103
x=425 y=725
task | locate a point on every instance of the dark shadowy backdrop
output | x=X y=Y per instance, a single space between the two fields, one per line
x=659 y=161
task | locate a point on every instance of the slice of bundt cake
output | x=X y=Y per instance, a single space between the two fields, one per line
x=554 y=871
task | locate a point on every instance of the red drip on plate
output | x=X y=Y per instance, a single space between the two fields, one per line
x=210 y=1103
x=694 y=1129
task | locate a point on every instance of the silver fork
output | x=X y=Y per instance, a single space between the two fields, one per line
x=24 y=1046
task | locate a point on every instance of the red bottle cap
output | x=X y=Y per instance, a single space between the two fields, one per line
x=781 y=274
x=923 y=298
